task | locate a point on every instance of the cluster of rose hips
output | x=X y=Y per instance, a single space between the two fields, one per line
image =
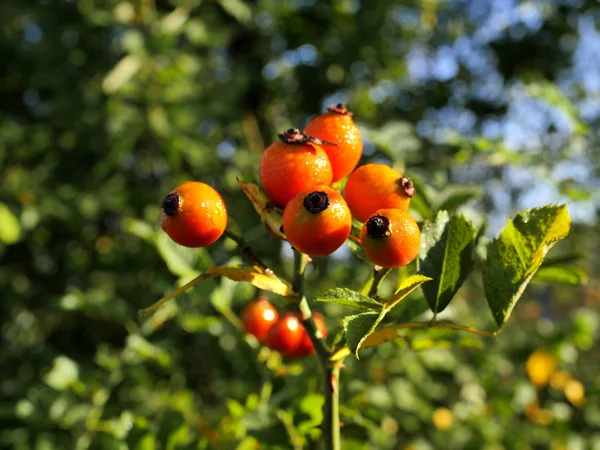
x=285 y=334
x=296 y=173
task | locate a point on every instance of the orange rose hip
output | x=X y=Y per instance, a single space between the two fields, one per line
x=194 y=214
x=390 y=238
x=337 y=126
x=292 y=164
x=377 y=186
x=317 y=222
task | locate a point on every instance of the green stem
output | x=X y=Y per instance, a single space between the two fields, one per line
x=330 y=370
x=300 y=263
x=246 y=250
x=150 y=309
x=378 y=276
x=331 y=408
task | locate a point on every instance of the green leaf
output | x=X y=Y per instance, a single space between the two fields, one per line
x=63 y=374
x=356 y=249
x=348 y=297
x=564 y=258
x=139 y=228
x=180 y=260
x=10 y=228
x=255 y=275
x=139 y=348
x=238 y=9
x=557 y=274
x=270 y=216
x=406 y=287
x=514 y=257
x=123 y=71
x=453 y=197
x=357 y=328
x=446 y=256
x=420 y=203
x=353 y=241
x=312 y=406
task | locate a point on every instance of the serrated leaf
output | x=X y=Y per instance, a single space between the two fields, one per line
x=446 y=256
x=256 y=276
x=357 y=328
x=453 y=197
x=348 y=297
x=406 y=287
x=271 y=217
x=515 y=256
x=556 y=274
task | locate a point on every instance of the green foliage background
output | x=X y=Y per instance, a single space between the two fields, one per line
x=105 y=106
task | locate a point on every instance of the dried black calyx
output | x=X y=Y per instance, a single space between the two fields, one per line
x=170 y=204
x=340 y=108
x=315 y=202
x=296 y=136
x=407 y=186
x=293 y=136
x=378 y=227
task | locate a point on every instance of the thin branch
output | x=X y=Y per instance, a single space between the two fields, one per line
x=247 y=250
x=150 y=309
x=379 y=273
x=450 y=326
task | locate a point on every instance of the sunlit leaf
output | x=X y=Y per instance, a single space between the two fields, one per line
x=447 y=257
x=238 y=9
x=514 y=257
x=270 y=216
x=381 y=336
x=443 y=332
x=173 y=22
x=357 y=328
x=348 y=297
x=10 y=228
x=125 y=69
x=138 y=347
x=256 y=276
x=63 y=374
x=406 y=287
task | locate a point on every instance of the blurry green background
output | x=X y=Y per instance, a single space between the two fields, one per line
x=107 y=105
